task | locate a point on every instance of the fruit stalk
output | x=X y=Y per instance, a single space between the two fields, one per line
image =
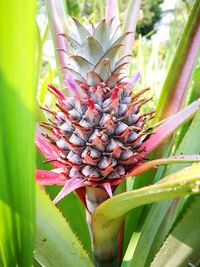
x=108 y=255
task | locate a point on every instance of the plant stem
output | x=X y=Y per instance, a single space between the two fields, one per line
x=107 y=256
x=114 y=262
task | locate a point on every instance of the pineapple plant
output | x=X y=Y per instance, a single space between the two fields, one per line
x=154 y=235
x=98 y=129
x=97 y=134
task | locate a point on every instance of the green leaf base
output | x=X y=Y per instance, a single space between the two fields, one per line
x=114 y=262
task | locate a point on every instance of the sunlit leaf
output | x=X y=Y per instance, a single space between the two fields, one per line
x=76 y=220
x=182 y=244
x=170 y=160
x=56 y=244
x=17 y=119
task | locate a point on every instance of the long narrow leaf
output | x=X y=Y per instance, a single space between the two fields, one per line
x=58 y=24
x=180 y=71
x=130 y=22
x=67 y=206
x=169 y=126
x=170 y=160
x=17 y=119
x=112 y=11
x=180 y=247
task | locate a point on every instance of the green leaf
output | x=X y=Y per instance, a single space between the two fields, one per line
x=92 y=50
x=180 y=71
x=170 y=160
x=17 y=119
x=36 y=263
x=170 y=125
x=197 y=74
x=193 y=95
x=131 y=247
x=190 y=144
x=56 y=244
x=108 y=216
x=182 y=244
x=83 y=33
x=42 y=92
x=152 y=235
x=73 y=210
x=41 y=38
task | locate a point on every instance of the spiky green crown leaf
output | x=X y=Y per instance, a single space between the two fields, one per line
x=94 y=54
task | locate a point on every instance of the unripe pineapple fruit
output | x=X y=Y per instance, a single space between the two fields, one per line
x=97 y=129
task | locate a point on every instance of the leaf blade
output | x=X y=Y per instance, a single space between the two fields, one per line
x=57 y=21
x=169 y=126
x=52 y=226
x=180 y=72
x=130 y=24
x=17 y=119
x=179 y=246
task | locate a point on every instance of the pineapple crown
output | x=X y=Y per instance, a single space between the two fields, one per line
x=93 y=55
x=97 y=132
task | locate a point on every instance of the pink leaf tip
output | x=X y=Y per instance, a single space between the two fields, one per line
x=55 y=91
x=135 y=78
x=75 y=89
x=71 y=185
x=108 y=188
